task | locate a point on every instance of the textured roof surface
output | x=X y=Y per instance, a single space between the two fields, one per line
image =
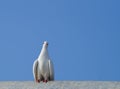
x=60 y=85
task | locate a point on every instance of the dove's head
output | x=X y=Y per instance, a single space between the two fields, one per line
x=45 y=44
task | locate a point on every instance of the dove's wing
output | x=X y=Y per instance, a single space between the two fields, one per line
x=51 y=70
x=35 y=70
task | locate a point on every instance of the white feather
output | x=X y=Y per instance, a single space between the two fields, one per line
x=35 y=69
x=51 y=70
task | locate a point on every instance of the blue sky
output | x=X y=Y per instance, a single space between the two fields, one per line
x=83 y=36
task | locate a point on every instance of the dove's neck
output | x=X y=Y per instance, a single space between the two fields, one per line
x=44 y=53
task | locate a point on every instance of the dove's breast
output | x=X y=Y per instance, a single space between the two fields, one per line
x=43 y=66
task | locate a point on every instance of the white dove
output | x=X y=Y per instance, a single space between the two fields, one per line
x=43 y=67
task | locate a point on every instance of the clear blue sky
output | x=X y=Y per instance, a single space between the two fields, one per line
x=83 y=36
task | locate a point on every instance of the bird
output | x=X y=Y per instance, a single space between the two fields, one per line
x=43 y=69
